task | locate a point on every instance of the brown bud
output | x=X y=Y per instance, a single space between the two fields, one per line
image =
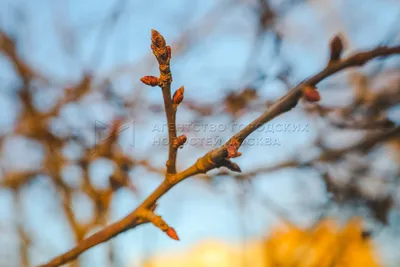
x=336 y=47
x=179 y=141
x=157 y=39
x=150 y=80
x=230 y=165
x=169 y=51
x=232 y=149
x=172 y=233
x=178 y=95
x=311 y=94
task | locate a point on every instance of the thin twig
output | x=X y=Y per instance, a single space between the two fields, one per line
x=162 y=52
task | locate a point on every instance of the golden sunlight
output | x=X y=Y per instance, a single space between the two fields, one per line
x=326 y=244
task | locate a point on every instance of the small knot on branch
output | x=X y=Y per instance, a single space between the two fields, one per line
x=165 y=79
x=205 y=163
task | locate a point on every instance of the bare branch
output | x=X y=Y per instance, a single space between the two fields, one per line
x=215 y=158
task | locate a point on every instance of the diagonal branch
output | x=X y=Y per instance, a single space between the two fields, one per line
x=217 y=157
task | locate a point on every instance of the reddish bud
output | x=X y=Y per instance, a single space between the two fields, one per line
x=180 y=141
x=172 y=233
x=311 y=94
x=157 y=39
x=178 y=96
x=232 y=149
x=150 y=80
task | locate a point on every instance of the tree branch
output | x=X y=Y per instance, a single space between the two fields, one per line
x=162 y=52
x=217 y=157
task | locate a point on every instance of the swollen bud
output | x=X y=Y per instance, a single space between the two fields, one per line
x=336 y=47
x=311 y=94
x=232 y=149
x=157 y=39
x=178 y=96
x=172 y=233
x=150 y=80
x=179 y=141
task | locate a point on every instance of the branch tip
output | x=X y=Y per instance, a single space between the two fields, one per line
x=230 y=165
x=336 y=47
x=172 y=233
x=157 y=39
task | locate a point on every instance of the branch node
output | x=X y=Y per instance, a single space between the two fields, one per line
x=170 y=179
x=165 y=79
x=205 y=163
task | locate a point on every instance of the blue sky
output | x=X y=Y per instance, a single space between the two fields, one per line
x=213 y=63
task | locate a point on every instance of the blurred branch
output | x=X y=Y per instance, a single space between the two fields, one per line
x=9 y=48
x=25 y=240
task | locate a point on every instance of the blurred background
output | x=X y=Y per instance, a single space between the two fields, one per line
x=70 y=70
